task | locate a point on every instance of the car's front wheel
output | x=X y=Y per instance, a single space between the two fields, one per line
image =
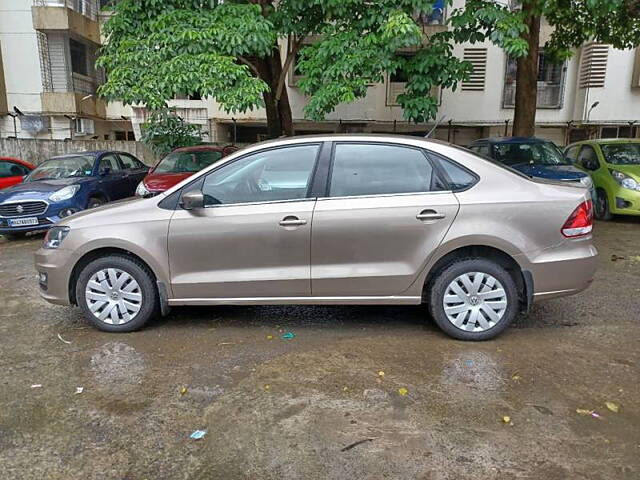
x=473 y=299
x=117 y=293
x=602 y=210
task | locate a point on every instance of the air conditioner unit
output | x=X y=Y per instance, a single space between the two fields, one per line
x=83 y=126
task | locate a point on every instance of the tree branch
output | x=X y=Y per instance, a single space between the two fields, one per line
x=250 y=65
x=291 y=55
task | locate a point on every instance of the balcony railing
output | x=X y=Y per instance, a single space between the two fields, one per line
x=549 y=95
x=84 y=84
x=88 y=8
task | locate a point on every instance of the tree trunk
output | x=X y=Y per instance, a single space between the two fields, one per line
x=524 y=115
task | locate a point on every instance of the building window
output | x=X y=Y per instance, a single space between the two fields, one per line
x=78 y=53
x=618 y=132
x=124 y=135
x=397 y=83
x=550 y=83
x=435 y=16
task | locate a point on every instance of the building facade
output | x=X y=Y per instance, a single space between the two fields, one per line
x=49 y=47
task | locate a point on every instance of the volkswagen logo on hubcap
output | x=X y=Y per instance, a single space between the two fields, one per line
x=19 y=209
x=474 y=300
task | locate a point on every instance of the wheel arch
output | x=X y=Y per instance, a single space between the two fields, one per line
x=92 y=255
x=522 y=278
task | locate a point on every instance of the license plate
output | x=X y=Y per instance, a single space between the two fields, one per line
x=23 y=222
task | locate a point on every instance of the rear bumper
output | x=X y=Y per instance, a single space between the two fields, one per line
x=563 y=270
x=54 y=266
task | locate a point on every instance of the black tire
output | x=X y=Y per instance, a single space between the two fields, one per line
x=150 y=304
x=440 y=284
x=602 y=211
x=95 y=202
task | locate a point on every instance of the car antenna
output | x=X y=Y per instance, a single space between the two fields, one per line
x=438 y=122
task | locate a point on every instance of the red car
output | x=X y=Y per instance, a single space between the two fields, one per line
x=12 y=170
x=178 y=165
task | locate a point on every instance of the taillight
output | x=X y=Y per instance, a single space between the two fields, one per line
x=580 y=222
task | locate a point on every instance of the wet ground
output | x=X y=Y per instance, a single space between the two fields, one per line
x=294 y=409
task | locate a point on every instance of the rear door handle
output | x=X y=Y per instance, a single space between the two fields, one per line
x=430 y=215
x=292 y=221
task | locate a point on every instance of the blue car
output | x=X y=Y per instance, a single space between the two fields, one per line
x=64 y=185
x=532 y=156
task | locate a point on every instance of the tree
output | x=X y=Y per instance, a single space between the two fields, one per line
x=156 y=49
x=517 y=31
x=165 y=131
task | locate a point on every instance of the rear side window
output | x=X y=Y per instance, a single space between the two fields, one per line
x=130 y=162
x=459 y=178
x=377 y=169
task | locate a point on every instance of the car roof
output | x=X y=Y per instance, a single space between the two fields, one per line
x=507 y=140
x=201 y=148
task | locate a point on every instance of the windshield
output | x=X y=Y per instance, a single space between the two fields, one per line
x=65 y=167
x=534 y=153
x=621 y=153
x=187 y=162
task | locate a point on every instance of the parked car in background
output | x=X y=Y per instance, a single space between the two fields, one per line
x=614 y=166
x=331 y=219
x=532 y=156
x=178 y=165
x=64 y=185
x=12 y=171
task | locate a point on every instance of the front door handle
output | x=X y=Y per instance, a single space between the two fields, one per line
x=292 y=221
x=430 y=215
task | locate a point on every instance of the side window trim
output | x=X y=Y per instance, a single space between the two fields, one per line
x=436 y=172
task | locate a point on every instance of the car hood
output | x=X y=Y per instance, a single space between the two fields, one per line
x=159 y=182
x=552 y=172
x=39 y=189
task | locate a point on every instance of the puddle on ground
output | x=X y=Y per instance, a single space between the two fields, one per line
x=117 y=365
x=472 y=369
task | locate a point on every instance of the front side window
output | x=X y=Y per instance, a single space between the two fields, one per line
x=588 y=158
x=108 y=164
x=64 y=167
x=187 y=162
x=621 y=153
x=267 y=176
x=369 y=169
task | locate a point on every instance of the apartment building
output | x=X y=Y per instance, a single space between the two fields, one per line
x=48 y=84
x=48 y=51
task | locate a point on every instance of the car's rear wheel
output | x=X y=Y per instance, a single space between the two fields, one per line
x=95 y=202
x=117 y=294
x=473 y=299
x=602 y=210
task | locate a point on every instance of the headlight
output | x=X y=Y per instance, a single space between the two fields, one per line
x=587 y=182
x=141 y=190
x=64 y=193
x=55 y=236
x=625 y=181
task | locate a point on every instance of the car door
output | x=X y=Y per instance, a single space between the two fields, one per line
x=253 y=237
x=134 y=170
x=385 y=212
x=112 y=179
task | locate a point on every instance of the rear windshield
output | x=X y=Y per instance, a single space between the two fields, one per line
x=513 y=154
x=187 y=162
x=621 y=153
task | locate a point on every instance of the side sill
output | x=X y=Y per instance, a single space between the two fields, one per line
x=358 y=300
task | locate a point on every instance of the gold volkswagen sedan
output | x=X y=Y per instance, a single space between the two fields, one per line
x=335 y=219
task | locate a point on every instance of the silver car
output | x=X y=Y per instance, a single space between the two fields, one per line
x=333 y=219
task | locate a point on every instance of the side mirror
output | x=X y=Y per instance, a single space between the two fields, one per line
x=192 y=200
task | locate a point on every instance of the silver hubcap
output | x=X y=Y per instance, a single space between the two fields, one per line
x=475 y=302
x=113 y=296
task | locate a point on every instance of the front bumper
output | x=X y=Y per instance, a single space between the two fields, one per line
x=54 y=267
x=623 y=201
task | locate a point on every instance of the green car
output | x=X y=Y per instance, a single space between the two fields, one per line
x=614 y=166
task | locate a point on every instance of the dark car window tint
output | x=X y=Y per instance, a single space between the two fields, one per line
x=543 y=153
x=588 y=158
x=267 y=176
x=130 y=162
x=10 y=169
x=109 y=163
x=480 y=149
x=364 y=169
x=459 y=177
x=572 y=153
